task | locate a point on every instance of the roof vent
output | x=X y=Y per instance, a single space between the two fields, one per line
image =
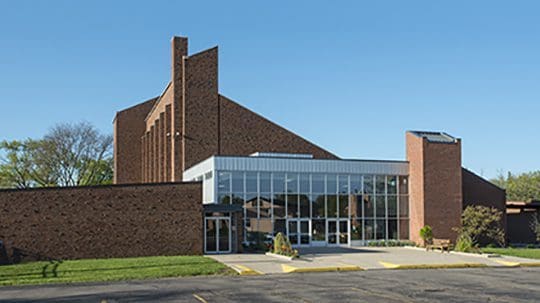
x=435 y=137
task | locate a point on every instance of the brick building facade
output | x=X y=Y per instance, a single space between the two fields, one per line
x=254 y=179
x=102 y=221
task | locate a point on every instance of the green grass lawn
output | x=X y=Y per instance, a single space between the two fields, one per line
x=109 y=269
x=531 y=253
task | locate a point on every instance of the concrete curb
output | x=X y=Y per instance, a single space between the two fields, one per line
x=482 y=255
x=278 y=256
x=292 y=269
x=518 y=264
x=244 y=270
x=389 y=265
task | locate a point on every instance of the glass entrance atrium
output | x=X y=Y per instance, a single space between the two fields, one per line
x=314 y=202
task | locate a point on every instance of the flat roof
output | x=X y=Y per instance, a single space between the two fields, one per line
x=298 y=165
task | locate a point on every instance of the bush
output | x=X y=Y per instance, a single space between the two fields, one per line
x=282 y=246
x=426 y=233
x=480 y=223
x=464 y=243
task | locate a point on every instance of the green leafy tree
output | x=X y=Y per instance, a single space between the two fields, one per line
x=426 y=233
x=521 y=187
x=68 y=155
x=480 y=223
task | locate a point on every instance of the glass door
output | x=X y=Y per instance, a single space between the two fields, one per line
x=298 y=232
x=217 y=235
x=337 y=232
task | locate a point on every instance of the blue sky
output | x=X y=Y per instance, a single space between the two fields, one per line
x=351 y=76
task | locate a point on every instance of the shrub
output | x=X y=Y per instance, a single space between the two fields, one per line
x=282 y=246
x=464 y=243
x=426 y=233
x=480 y=222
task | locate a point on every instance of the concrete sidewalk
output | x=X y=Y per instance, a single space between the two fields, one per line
x=363 y=258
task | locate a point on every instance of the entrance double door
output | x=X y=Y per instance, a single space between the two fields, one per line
x=298 y=231
x=217 y=235
x=337 y=231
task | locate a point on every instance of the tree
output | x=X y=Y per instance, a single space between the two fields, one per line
x=68 y=155
x=523 y=187
x=480 y=223
x=426 y=233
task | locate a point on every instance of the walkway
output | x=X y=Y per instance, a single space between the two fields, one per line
x=363 y=258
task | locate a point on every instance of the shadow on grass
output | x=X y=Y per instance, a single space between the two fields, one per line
x=53 y=266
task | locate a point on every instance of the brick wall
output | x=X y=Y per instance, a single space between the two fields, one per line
x=521 y=227
x=243 y=132
x=478 y=191
x=435 y=186
x=201 y=107
x=104 y=221
x=129 y=128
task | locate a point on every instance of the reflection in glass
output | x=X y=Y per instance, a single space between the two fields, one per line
x=356 y=229
x=304 y=206
x=265 y=205
x=403 y=206
x=318 y=206
x=265 y=182
x=238 y=199
x=304 y=184
x=331 y=204
x=369 y=229
x=356 y=184
x=369 y=206
x=391 y=185
x=278 y=180
x=392 y=229
x=343 y=184
x=279 y=226
x=380 y=209
x=317 y=183
x=318 y=230
x=403 y=185
x=251 y=182
x=292 y=205
x=331 y=184
x=380 y=185
x=343 y=206
x=292 y=183
x=392 y=206
x=279 y=206
x=368 y=185
x=238 y=181
x=356 y=206
x=224 y=182
x=380 y=229
x=251 y=205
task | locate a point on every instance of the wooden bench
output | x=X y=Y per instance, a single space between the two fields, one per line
x=442 y=244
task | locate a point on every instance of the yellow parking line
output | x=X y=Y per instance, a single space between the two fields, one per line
x=291 y=269
x=245 y=271
x=518 y=264
x=430 y=266
x=200 y=298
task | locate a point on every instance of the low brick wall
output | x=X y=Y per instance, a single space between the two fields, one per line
x=103 y=221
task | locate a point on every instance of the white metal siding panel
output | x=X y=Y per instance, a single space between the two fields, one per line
x=311 y=165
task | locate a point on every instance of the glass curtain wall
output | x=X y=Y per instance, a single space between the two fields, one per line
x=375 y=206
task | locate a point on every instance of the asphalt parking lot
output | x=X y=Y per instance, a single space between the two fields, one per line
x=440 y=285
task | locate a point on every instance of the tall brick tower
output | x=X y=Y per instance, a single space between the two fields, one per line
x=157 y=140
x=435 y=183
